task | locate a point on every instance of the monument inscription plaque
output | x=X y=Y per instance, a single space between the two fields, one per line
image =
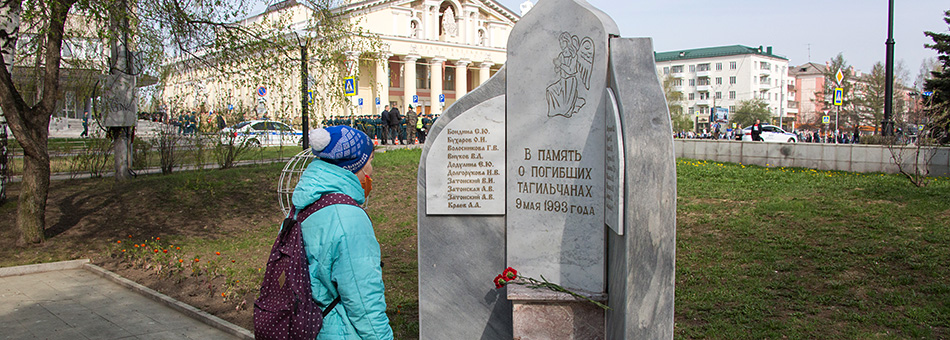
x=468 y=177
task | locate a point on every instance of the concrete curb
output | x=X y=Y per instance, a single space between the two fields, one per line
x=188 y=310
x=42 y=267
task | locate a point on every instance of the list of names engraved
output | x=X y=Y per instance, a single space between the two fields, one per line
x=465 y=168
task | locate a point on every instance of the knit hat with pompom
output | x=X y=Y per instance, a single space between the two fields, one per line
x=342 y=146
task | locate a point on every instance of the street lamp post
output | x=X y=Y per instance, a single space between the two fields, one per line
x=888 y=124
x=304 y=98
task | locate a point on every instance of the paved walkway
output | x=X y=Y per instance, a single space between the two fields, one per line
x=83 y=303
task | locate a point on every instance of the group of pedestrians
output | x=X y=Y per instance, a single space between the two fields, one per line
x=389 y=127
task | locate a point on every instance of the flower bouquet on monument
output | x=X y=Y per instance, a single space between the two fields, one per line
x=510 y=276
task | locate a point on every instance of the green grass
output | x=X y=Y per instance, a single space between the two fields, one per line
x=799 y=253
x=762 y=253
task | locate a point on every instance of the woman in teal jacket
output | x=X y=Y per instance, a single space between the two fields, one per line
x=339 y=241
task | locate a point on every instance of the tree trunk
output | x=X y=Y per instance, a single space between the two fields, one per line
x=30 y=126
x=31 y=211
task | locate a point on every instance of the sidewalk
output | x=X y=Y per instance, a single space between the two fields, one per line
x=76 y=300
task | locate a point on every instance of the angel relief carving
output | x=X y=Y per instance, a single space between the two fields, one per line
x=573 y=67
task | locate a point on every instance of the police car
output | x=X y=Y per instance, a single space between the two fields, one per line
x=770 y=133
x=262 y=133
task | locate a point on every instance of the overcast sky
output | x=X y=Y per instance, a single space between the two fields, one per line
x=855 y=28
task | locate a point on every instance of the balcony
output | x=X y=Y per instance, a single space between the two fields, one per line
x=702 y=102
x=703 y=88
x=704 y=73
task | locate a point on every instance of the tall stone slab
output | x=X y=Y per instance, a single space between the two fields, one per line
x=557 y=68
x=640 y=272
x=461 y=231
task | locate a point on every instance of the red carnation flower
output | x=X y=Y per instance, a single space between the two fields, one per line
x=500 y=281
x=510 y=273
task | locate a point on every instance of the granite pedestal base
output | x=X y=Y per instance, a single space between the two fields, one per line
x=540 y=314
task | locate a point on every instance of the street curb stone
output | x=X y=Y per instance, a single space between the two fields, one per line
x=186 y=309
x=42 y=267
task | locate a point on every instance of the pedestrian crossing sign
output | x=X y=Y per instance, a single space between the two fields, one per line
x=349 y=86
x=310 y=97
x=825 y=119
x=839 y=92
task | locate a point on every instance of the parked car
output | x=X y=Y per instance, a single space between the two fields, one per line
x=770 y=133
x=262 y=133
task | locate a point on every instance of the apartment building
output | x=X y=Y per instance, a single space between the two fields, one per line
x=721 y=77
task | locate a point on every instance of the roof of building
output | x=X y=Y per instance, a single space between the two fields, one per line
x=719 y=51
x=808 y=68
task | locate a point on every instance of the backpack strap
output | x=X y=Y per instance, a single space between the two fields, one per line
x=325 y=201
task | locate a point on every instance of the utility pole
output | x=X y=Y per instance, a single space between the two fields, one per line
x=887 y=125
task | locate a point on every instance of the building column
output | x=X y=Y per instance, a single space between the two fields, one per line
x=484 y=71
x=461 y=78
x=435 y=71
x=409 y=80
x=382 y=82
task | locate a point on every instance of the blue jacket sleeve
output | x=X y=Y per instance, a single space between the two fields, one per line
x=359 y=278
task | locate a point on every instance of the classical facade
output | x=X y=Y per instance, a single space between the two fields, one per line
x=433 y=48
x=720 y=77
x=431 y=53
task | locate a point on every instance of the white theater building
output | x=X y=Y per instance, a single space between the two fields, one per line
x=431 y=49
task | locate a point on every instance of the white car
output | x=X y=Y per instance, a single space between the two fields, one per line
x=771 y=133
x=262 y=133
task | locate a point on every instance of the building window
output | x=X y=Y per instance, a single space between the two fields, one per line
x=718 y=95
x=702 y=67
x=732 y=79
x=764 y=66
x=666 y=70
x=718 y=80
x=732 y=108
x=395 y=70
x=414 y=29
x=704 y=96
x=422 y=74
x=448 y=79
x=677 y=69
x=692 y=68
x=732 y=65
x=678 y=82
x=718 y=66
x=704 y=81
x=732 y=95
x=692 y=82
x=692 y=96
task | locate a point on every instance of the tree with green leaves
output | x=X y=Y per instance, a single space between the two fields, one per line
x=750 y=110
x=167 y=37
x=674 y=101
x=939 y=83
x=848 y=111
x=869 y=100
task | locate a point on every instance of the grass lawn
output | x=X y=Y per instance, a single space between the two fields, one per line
x=761 y=252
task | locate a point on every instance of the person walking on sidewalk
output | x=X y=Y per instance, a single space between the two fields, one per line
x=85 y=125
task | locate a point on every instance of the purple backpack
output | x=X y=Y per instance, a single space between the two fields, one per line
x=285 y=308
